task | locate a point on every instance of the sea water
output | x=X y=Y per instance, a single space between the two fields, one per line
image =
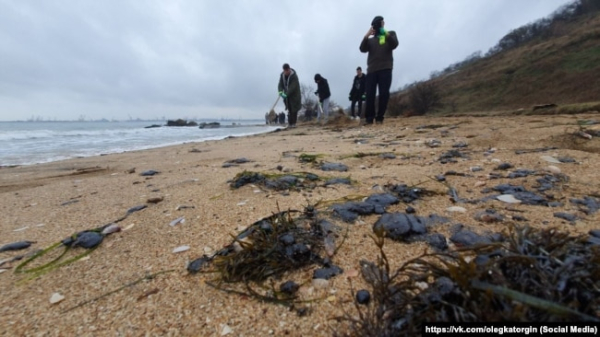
x=26 y=143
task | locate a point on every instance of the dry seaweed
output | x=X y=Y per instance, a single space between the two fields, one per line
x=88 y=239
x=270 y=247
x=266 y=251
x=362 y=155
x=309 y=158
x=130 y=284
x=536 y=275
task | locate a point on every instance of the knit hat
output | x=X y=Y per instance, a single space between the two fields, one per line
x=377 y=21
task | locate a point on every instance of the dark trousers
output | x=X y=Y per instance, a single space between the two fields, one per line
x=353 y=104
x=383 y=80
x=292 y=115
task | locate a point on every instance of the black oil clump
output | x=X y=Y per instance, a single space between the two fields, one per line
x=374 y=204
x=535 y=275
x=278 y=182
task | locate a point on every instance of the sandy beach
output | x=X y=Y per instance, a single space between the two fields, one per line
x=48 y=202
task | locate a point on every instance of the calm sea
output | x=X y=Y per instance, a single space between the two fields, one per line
x=26 y=143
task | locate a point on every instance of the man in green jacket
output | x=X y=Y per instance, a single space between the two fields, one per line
x=379 y=43
x=289 y=90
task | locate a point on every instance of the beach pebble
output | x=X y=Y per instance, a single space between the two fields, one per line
x=363 y=297
x=479 y=183
x=56 y=298
x=154 y=200
x=327 y=273
x=225 y=330
x=177 y=221
x=422 y=285
x=136 y=209
x=551 y=159
x=351 y=273
x=489 y=216
x=554 y=169
x=334 y=167
x=289 y=287
x=3 y=270
x=508 y=198
x=112 y=228
x=198 y=264
x=456 y=209
x=181 y=249
x=16 y=246
x=320 y=283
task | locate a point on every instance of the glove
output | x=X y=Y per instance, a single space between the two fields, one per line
x=364 y=97
x=282 y=94
x=382 y=31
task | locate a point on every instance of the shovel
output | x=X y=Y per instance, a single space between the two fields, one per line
x=273 y=107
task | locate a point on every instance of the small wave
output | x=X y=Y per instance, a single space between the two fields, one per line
x=26 y=147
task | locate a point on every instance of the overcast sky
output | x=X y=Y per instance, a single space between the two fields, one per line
x=121 y=59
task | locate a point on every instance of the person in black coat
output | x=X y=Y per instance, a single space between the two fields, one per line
x=379 y=44
x=324 y=93
x=282 y=118
x=357 y=93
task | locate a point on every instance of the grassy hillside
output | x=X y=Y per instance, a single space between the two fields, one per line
x=562 y=67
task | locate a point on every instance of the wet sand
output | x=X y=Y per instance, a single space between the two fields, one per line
x=46 y=203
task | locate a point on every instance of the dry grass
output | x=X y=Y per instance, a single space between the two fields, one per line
x=564 y=70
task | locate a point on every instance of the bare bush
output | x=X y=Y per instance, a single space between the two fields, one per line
x=424 y=97
x=397 y=106
x=309 y=100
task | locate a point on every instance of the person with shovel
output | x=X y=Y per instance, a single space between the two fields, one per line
x=324 y=93
x=379 y=44
x=289 y=90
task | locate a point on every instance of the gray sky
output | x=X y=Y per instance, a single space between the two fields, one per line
x=148 y=59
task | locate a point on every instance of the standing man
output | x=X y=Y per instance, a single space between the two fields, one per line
x=289 y=90
x=324 y=94
x=380 y=44
x=357 y=93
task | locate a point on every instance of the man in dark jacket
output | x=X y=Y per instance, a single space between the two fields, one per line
x=324 y=94
x=380 y=44
x=289 y=90
x=357 y=93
